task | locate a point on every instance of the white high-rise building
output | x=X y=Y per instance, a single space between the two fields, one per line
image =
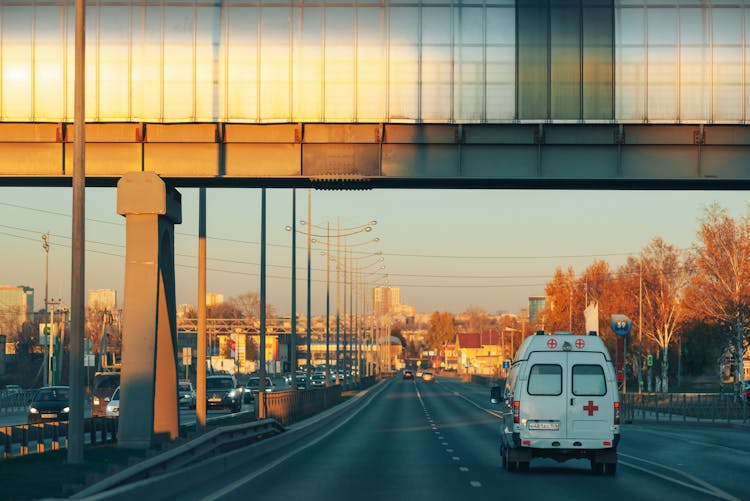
x=16 y=303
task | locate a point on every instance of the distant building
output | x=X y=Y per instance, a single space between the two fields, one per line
x=536 y=304
x=385 y=300
x=214 y=299
x=16 y=304
x=102 y=299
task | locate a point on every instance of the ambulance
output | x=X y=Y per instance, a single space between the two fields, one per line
x=561 y=402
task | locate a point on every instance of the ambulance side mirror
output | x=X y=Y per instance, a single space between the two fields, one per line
x=496 y=395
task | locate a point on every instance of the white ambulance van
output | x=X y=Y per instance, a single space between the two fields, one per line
x=561 y=402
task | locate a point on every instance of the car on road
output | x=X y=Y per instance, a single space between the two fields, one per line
x=11 y=389
x=419 y=373
x=186 y=394
x=222 y=393
x=252 y=386
x=50 y=403
x=428 y=377
x=113 y=407
x=408 y=374
x=103 y=386
x=747 y=392
x=318 y=380
x=301 y=382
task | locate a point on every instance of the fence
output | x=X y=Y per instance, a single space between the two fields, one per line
x=14 y=402
x=684 y=407
x=290 y=406
x=20 y=440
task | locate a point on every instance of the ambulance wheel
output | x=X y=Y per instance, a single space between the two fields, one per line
x=610 y=468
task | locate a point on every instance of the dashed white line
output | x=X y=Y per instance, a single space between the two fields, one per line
x=456 y=458
x=449 y=450
x=475 y=483
x=463 y=469
x=444 y=443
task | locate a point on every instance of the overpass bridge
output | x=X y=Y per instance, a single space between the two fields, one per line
x=616 y=94
x=492 y=93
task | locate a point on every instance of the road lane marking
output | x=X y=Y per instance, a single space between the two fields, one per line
x=488 y=411
x=449 y=450
x=475 y=483
x=444 y=443
x=705 y=487
x=252 y=476
x=456 y=458
x=463 y=469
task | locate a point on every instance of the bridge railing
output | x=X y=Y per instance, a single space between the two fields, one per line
x=287 y=407
x=14 y=402
x=23 y=439
x=683 y=407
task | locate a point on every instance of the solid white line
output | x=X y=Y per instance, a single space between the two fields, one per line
x=252 y=476
x=488 y=411
x=680 y=482
x=710 y=489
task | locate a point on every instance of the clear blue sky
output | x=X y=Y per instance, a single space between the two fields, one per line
x=447 y=250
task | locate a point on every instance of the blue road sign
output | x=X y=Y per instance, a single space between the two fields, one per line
x=621 y=325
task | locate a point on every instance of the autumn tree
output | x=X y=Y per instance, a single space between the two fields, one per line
x=441 y=330
x=720 y=288
x=559 y=294
x=665 y=278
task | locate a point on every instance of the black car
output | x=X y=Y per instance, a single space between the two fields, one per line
x=252 y=386
x=408 y=374
x=301 y=382
x=51 y=403
x=222 y=393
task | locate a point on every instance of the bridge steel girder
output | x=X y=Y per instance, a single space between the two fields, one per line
x=391 y=155
x=148 y=386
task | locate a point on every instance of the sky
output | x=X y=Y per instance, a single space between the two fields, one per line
x=447 y=250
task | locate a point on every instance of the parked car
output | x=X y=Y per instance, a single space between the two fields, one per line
x=186 y=394
x=51 y=403
x=222 y=393
x=251 y=388
x=113 y=407
x=408 y=374
x=102 y=388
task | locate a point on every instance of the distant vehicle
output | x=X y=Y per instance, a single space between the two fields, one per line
x=318 y=380
x=51 y=403
x=747 y=392
x=113 y=407
x=301 y=382
x=408 y=374
x=561 y=402
x=186 y=394
x=419 y=372
x=428 y=376
x=251 y=388
x=222 y=393
x=102 y=388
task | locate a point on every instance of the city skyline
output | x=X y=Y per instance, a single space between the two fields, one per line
x=446 y=250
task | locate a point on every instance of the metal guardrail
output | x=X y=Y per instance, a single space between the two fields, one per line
x=212 y=443
x=290 y=406
x=13 y=402
x=684 y=407
x=22 y=439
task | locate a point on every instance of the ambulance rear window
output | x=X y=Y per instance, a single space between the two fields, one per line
x=588 y=380
x=545 y=379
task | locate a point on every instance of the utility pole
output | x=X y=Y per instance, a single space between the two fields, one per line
x=309 y=314
x=293 y=336
x=45 y=246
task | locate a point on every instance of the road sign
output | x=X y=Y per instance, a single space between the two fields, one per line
x=621 y=325
x=506 y=364
x=187 y=355
x=89 y=360
x=650 y=360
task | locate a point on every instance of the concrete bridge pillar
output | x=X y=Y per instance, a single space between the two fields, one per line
x=148 y=383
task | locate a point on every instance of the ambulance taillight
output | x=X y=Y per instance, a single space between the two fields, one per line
x=516 y=411
x=617 y=413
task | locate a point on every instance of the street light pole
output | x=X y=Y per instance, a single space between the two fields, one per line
x=328 y=306
x=309 y=314
x=293 y=336
x=338 y=296
x=45 y=246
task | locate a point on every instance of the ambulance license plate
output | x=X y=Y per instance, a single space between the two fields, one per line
x=540 y=425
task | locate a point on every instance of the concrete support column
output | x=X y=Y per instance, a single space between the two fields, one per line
x=148 y=383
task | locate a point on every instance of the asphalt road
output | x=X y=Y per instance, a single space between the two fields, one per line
x=418 y=440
